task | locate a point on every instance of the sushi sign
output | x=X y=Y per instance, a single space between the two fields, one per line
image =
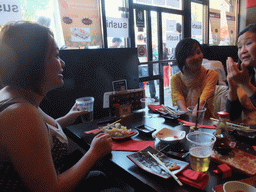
x=10 y=10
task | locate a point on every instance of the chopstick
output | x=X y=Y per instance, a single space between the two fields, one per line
x=198 y=102
x=168 y=110
x=234 y=125
x=102 y=129
x=166 y=169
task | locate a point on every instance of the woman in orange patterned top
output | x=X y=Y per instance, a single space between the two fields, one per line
x=194 y=81
x=241 y=79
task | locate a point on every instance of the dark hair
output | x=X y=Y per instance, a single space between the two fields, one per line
x=23 y=49
x=178 y=27
x=250 y=28
x=116 y=39
x=184 y=49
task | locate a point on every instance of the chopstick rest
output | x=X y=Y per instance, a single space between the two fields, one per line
x=224 y=169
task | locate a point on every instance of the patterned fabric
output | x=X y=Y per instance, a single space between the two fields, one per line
x=59 y=151
x=9 y=178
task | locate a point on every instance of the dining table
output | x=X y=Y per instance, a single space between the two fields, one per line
x=141 y=180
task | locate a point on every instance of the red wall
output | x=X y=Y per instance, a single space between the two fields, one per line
x=251 y=3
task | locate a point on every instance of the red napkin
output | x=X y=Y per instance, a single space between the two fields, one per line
x=194 y=178
x=254 y=147
x=91 y=131
x=131 y=145
x=154 y=107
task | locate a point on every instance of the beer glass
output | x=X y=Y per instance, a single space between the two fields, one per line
x=200 y=149
x=86 y=103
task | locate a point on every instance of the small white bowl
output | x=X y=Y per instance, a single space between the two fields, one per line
x=235 y=186
x=169 y=135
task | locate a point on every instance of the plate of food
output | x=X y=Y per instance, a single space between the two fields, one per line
x=118 y=131
x=146 y=162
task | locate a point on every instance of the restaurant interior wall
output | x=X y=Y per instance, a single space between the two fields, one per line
x=87 y=74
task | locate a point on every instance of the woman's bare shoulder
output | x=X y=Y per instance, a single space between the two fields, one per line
x=20 y=115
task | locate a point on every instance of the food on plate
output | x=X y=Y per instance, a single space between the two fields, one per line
x=118 y=130
x=173 y=168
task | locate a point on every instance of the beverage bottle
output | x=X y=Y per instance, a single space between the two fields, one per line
x=221 y=129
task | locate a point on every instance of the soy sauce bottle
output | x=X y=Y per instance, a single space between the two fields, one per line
x=221 y=129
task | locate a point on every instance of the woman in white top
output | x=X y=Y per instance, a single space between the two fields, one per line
x=31 y=142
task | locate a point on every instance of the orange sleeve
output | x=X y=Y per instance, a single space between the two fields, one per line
x=177 y=88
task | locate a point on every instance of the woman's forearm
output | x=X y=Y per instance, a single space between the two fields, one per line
x=71 y=178
x=65 y=121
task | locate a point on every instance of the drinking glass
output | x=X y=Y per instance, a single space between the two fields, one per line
x=86 y=103
x=200 y=150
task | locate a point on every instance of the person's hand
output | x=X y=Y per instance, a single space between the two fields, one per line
x=101 y=145
x=235 y=76
x=74 y=113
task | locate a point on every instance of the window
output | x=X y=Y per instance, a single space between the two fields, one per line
x=197 y=22
x=171 y=4
x=76 y=24
x=223 y=17
x=117 y=14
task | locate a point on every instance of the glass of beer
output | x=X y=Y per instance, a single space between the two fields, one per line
x=86 y=104
x=200 y=149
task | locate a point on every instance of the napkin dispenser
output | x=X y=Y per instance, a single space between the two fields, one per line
x=126 y=98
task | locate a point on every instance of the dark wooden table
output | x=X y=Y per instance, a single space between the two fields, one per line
x=138 y=178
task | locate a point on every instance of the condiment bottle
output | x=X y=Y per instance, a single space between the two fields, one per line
x=221 y=129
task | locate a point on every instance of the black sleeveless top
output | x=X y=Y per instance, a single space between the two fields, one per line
x=9 y=178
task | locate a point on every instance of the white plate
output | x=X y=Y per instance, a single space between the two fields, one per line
x=169 y=135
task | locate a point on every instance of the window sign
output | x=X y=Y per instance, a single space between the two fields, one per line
x=196 y=28
x=173 y=3
x=10 y=11
x=149 y=2
x=170 y=25
x=159 y=2
x=117 y=27
x=140 y=21
x=172 y=39
x=80 y=23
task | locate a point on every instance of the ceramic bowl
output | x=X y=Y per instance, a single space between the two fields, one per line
x=237 y=186
x=224 y=145
x=169 y=135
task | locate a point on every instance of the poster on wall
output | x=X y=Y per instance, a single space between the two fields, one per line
x=231 y=20
x=215 y=26
x=80 y=23
x=10 y=11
